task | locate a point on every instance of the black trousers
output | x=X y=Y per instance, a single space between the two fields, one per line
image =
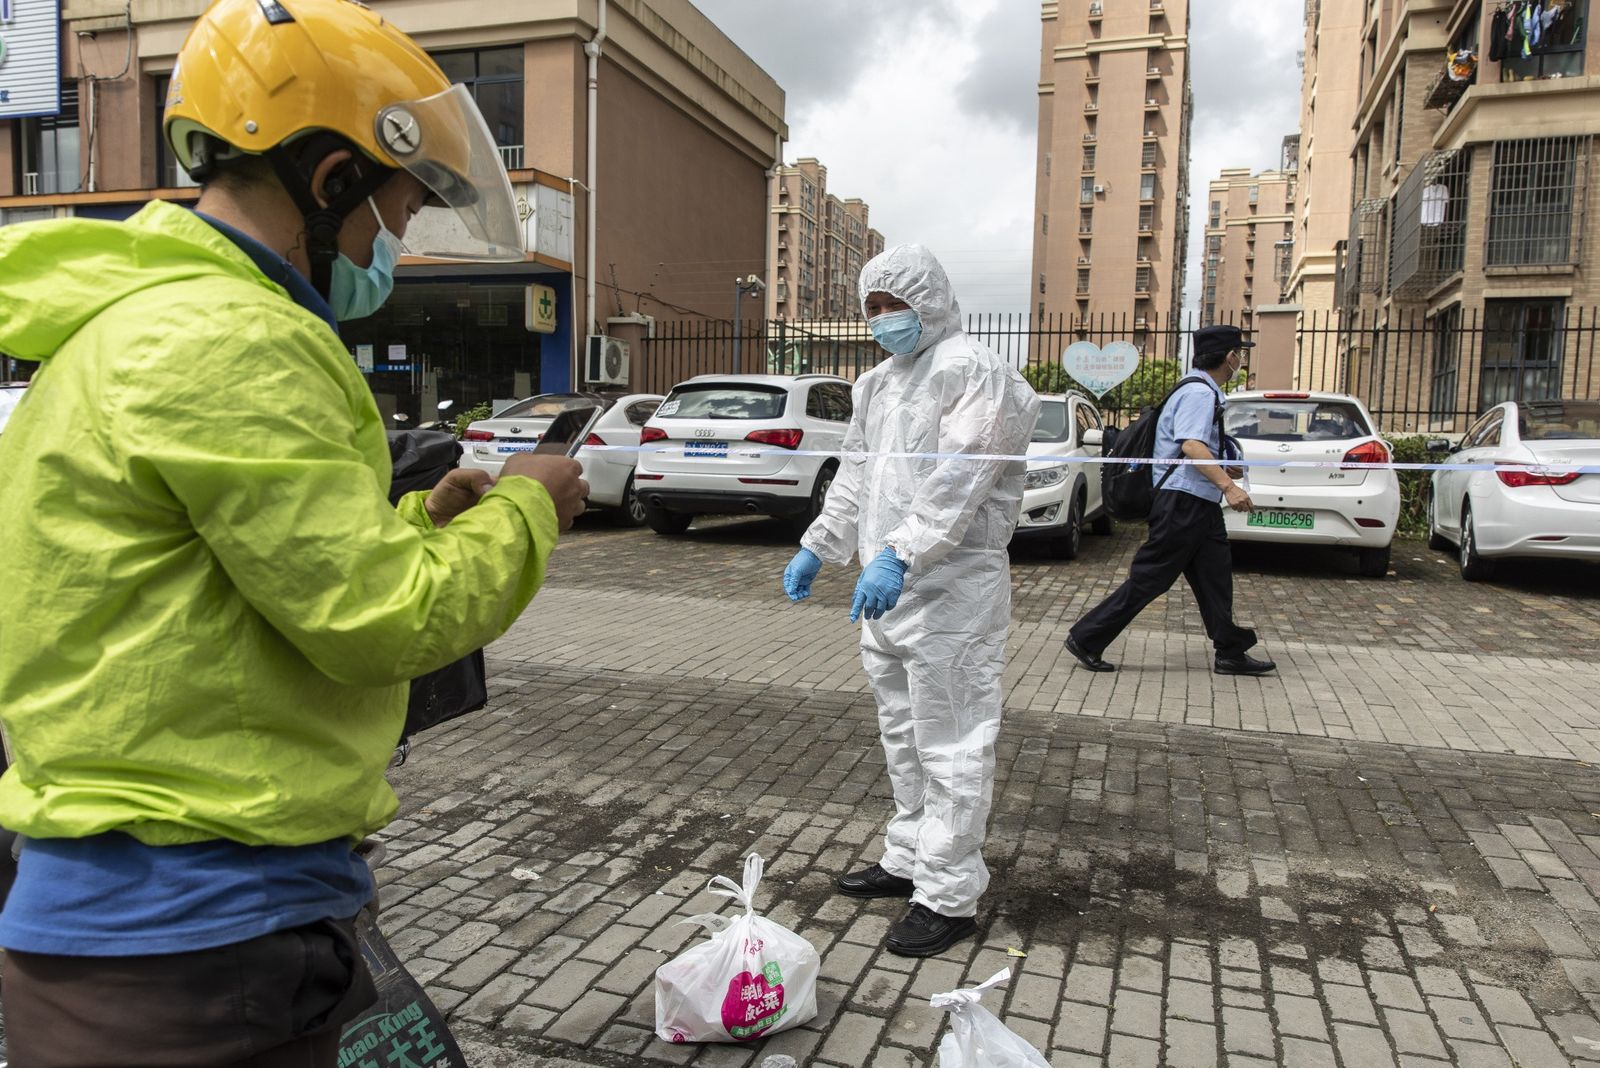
x=277 y=1001
x=1188 y=538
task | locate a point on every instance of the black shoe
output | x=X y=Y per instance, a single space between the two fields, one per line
x=874 y=882
x=922 y=932
x=1243 y=664
x=1089 y=660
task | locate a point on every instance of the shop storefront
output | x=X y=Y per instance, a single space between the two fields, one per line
x=466 y=340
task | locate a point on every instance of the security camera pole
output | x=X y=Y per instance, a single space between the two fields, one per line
x=751 y=285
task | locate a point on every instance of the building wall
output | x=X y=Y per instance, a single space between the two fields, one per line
x=689 y=127
x=1330 y=94
x=1098 y=92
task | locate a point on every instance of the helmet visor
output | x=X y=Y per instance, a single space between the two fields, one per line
x=443 y=142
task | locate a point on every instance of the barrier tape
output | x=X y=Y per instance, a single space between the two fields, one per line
x=751 y=453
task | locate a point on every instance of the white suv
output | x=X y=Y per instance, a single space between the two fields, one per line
x=1061 y=494
x=722 y=446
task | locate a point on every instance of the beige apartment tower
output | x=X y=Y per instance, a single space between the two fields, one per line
x=1112 y=195
x=1330 y=91
x=1248 y=248
x=822 y=243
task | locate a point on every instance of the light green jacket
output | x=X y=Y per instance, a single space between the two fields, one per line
x=209 y=609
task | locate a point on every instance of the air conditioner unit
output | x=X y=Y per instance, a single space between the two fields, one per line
x=1088 y=137
x=1084 y=260
x=1102 y=189
x=1152 y=102
x=606 y=362
x=1140 y=323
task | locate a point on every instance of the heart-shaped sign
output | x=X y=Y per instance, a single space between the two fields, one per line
x=1100 y=370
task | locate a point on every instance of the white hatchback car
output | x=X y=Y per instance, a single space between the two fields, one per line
x=723 y=448
x=1491 y=514
x=1060 y=496
x=488 y=442
x=1358 y=508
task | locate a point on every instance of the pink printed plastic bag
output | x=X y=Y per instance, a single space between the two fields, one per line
x=752 y=978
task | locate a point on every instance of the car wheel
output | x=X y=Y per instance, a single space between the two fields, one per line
x=1101 y=524
x=1474 y=568
x=632 y=512
x=664 y=522
x=819 y=497
x=1373 y=563
x=1436 y=541
x=1072 y=537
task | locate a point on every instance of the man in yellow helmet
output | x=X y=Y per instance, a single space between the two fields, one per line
x=203 y=657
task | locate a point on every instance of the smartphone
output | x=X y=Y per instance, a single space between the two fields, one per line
x=568 y=431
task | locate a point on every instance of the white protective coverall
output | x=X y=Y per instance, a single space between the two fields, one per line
x=935 y=660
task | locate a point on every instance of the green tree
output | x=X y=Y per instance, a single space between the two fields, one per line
x=470 y=416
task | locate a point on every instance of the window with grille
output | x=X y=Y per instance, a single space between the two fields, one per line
x=1216 y=214
x=1147 y=217
x=50 y=148
x=1086 y=191
x=1088 y=157
x=169 y=175
x=1446 y=361
x=1141 y=280
x=1536 y=193
x=1522 y=343
x=1083 y=279
x=1149 y=157
x=1086 y=221
x=1255 y=194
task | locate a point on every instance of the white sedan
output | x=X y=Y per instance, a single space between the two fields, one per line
x=1487 y=515
x=488 y=442
x=1061 y=495
x=1356 y=508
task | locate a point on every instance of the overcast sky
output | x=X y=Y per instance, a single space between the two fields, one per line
x=928 y=110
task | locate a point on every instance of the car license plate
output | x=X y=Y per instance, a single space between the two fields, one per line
x=1276 y=519
x=507 y=450
x=705 y=450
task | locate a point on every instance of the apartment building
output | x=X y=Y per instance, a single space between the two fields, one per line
x=1112 y=191
x=1472 y=224
x=1330 y=94
x=648 y=212
x=822 y=243
x=1248 y=248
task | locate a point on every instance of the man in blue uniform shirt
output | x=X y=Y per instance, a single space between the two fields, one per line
x=1187 y=534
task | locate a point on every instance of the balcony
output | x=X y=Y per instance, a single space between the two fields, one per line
x=1538 y=193
x=1429 y=228
x=511 y=156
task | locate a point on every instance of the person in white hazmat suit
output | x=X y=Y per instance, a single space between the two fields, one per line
x=931 y=531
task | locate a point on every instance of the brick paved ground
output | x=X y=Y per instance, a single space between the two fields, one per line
x=1389 y=855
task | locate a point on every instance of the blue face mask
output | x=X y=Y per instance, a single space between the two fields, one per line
x=356 y=292
x=897 y=331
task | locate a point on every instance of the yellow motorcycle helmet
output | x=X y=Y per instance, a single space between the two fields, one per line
x=263 y=77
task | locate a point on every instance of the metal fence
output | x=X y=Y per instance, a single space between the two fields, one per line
x=1436 y=373
x=681 y=350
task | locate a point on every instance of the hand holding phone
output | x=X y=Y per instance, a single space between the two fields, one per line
x=568 y=431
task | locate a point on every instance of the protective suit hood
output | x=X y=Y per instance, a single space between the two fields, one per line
x=56 y=276
x=913 y=274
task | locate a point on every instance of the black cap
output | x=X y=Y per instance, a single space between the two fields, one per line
x=1219 y=340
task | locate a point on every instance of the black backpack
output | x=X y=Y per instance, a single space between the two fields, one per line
x=421 y=458
x=1126 y=486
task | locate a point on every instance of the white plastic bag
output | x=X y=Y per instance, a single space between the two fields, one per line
x=752 y=978
x=976 y=1038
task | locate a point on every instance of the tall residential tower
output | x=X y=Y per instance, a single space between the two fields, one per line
x=1113 y=188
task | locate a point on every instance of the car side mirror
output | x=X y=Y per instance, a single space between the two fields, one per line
x=1094 y=437
x=1439 y=447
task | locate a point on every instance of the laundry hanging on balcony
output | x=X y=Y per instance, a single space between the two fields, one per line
x=1462 y=65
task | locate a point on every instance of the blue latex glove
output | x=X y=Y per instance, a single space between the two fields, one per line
x=798 y=575
x=879 y=587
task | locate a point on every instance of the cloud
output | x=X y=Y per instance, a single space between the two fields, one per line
x=1247 y=99
x=928 y=110
x=816 y=49
x=1003 y=81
